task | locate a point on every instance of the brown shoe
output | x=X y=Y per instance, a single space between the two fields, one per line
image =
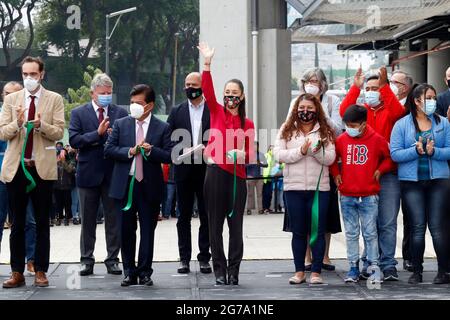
x=40 y=280
x=30 y=266
x=17 y=280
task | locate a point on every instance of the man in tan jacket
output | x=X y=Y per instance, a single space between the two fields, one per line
x=45 y=109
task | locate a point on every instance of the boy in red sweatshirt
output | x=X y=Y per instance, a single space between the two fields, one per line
x=364 y=156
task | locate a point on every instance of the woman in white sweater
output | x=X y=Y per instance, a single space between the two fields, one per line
x=306 y=146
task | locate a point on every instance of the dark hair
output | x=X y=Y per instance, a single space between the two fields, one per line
x=143 y=88
x=410 y=99
x=373 y=77
x=292 y=126
x=355 y=113
x=417 y=93
x=37 y=60
x=241 y=108
x=60 y=143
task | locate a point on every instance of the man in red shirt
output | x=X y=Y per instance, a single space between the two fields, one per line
x=383 y=111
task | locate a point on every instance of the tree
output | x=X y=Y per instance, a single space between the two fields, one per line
x=11 y=14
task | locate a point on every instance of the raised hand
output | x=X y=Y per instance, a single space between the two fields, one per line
x=305 y=147
x=419 y=146
x=383 y=77
x=359 y=78
x=206 y=52
x=103 y=127
x=430 y=147
x=20 y=116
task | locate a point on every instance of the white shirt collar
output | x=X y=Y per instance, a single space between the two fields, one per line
x=96 y=106
x=201 y=105
x=146 y=120
x=37 y=94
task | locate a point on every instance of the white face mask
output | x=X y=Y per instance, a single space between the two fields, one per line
x=312 y=89
x=136 y=110
x=394 y=89
x=30 y=84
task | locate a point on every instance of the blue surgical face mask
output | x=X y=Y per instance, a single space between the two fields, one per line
x=105 y=99
x=430 y=107
x=372 y=98
x=353 y=132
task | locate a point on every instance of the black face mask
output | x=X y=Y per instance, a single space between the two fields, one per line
x=307 y=116
x=193 y=93
x=231 y=102
x=448 y=83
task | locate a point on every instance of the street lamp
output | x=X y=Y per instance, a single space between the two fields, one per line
x=108 y=35
x=174 y=88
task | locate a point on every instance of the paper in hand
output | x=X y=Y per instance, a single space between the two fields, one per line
x=190 y=151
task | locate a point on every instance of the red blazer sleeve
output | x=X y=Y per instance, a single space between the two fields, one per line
x=350 y=99
x=396 y=109
x=208 y=91
x=386 y=165
x=250 y=157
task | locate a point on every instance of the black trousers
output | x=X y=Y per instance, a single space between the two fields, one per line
x=63 y=203
x=41 y=198
x=186 y=191
x=218 y=190
x=148 y=212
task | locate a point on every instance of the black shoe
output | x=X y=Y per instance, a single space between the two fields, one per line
x=308 y=267
x=205 y=267
x=415 y=278
x=233 y=280
x=328 y=267
x=390 y=274
x=441 y=278
x=146 y=281
x=221 y=281
x=114 y=269
x=184 y=267
x=99 y=221
x=407 y=266
x=129 y=281
x=52 y=223
x=86 y=270
x=76 y=222
x=58 y=222
x=66 y=222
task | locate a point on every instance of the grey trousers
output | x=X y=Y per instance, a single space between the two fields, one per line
x=89 y=203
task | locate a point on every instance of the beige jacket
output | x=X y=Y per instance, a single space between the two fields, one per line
x=301 y=173
x=51 y=108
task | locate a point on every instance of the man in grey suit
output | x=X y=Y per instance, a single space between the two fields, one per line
x=90 y=126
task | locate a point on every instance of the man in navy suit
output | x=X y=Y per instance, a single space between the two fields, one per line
x=138 y=144
x=443 y=99
x=90 y=126
x=191 y=121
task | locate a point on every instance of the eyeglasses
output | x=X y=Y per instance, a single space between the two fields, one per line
x=398 y=82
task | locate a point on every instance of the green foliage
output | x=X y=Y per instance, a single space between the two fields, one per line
x=82 y=95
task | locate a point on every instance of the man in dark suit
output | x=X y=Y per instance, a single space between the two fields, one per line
x=138 y=144
x=443 y=99
x=189 y=122
x=90 y=126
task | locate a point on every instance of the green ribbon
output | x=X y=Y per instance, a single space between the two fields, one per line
x=29 y=126
x=315 y=210
x=234 y=185
x=131 y=187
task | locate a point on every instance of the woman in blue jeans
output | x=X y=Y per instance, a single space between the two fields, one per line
x=420 y=144
x=306 y=147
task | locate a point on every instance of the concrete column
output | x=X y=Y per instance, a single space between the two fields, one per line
x=438 y=62
x=415 y=67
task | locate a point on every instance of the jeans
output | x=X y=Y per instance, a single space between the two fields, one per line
x=426 y=205
x=168 y=200
x=299 y=206
x=3 y=207
x=75 y=203
x=30 y=233
x=388 y=209
x=267 y=194
x=360 y=213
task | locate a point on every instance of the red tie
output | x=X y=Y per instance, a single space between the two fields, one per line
x=31 y=116
x=100 y=115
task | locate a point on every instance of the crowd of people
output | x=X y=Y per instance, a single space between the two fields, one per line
x=331 y=159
